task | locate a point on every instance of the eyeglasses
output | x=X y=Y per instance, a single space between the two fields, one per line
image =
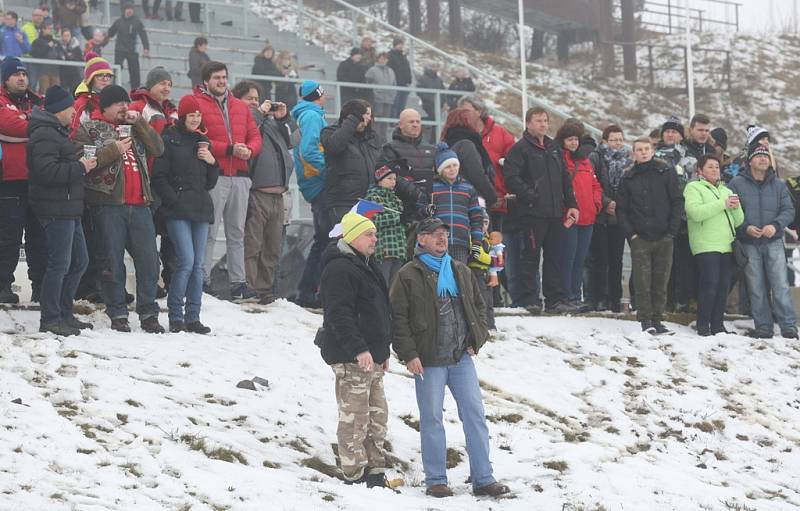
x=105 y=77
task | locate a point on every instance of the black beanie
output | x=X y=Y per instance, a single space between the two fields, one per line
x=57 y=100
x=113 y=94
x=673 y=123
x=720 y=137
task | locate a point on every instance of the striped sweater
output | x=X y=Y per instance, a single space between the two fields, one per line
x=457 y=205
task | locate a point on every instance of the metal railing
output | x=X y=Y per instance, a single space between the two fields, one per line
x=413 y=44
x=208 y=16
x=652 y=68
x=671 y=14
x=434 y=119
x=65 y=63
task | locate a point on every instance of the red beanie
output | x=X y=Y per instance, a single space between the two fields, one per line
x=188 y=105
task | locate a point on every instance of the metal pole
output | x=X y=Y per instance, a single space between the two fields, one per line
x=669 y=15
x=437 y=114
x=107 y=13
x=689 y=65
x=522 y=60
x=737 y=16
x=354 y=20
x=207 y=20
x=244 y=15
x=300 y=19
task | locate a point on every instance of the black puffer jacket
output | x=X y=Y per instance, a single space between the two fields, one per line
x=350 y=158
x=357 y=315
x=181 y=180
x=536 y=176
x=476 y=166
x=55 y=176
x=649 y=201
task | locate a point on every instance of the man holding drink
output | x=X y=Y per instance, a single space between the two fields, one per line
x=119 y=190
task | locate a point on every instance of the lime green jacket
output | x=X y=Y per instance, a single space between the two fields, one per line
x=712 y=226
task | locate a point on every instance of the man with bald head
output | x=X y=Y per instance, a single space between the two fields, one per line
x=407 y=145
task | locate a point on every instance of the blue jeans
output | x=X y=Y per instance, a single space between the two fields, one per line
x=765 y=274
x=575 y=243
x=523 y=288
x=462 y=380
x=399 y=103
x=189 y=239
x=67 y=259
x=120 y=228
x=308 y=286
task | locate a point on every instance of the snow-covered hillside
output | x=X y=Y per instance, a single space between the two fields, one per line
x=765 y=73
x=585 y=413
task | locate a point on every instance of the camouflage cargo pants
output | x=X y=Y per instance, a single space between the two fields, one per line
x=363 y=415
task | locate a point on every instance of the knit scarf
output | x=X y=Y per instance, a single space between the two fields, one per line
x=447 y=284
x=618 y=162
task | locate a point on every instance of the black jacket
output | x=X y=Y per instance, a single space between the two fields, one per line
x=350 y=71
x=357 y=314
x=265 y=66
x=430 y=80
x=419 y=157
x=465 y=85
x=401 y=67
x=126 y=30
x=55 y=176
x=182 y=180
x=350 y=159
x=476 y=166
x=536 y=176
x=197 y=60
x=649 y=201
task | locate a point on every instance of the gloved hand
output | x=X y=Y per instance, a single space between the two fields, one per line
x=475 y=252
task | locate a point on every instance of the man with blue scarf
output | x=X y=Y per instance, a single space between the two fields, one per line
x=439 y=324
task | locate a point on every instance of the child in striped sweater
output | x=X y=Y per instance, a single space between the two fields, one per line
x=455 y=202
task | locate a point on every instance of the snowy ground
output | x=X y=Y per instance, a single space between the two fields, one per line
x=584 y=414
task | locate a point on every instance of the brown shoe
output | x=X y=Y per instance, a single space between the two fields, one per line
x=494 y=489
x=439 y=491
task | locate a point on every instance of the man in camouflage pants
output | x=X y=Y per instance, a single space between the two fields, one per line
x=355 y=343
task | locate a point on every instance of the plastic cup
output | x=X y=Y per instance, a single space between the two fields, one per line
x=124 y=130
x=89 y=151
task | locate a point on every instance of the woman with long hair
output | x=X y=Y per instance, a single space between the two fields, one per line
x=182 y=177
x=264 y=64
x=462 y=133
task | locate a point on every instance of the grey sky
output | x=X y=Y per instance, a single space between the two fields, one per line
x=756 y=15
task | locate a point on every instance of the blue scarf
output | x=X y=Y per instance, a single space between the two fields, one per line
x=447 y=284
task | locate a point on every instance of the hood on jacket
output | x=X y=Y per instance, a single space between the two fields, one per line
x=655 y=164
x=143 y=93
x=304 y=106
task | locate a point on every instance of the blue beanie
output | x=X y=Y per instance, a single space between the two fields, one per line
x=311 y=90
x=444 y=155
x=10 y=66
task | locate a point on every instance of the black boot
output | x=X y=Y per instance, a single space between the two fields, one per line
x=151 y=325
x=8 y=296
x=647 y=326
x=76 y=323
x=197 y=328
x=58 y=328
x=177 y=326
x=120 y=325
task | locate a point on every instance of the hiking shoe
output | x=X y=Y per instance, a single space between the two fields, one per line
x=494 y=489
x=8 y=296
x=660 y=328
x=789 y=334
x=378 y=481
x=756 y=334
x=647 y=326
x=120 y=325
x=242 y=293
x=267 y=299
x=161 y=292
x=561 y=308
x=177 y=326
x=77 y=323
x=151 y=325
x=439 y=491
x=360 y=480
x=35 y=293
x=719 y=330
x=58 y=328
x=704 y=331
x=197 y=328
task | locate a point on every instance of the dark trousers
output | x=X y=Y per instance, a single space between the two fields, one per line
x=309 y=282
x=682 y=284
x=651 y=261
x=133 y=66
x=521 y=276
x=547 y=239
x=67 y=259
x=336 y=214
x=715 y=270
x=16 y=217
x=399 y=103
x=608 y=246
x=130 y=228
x=90 y=282
x=488 y=295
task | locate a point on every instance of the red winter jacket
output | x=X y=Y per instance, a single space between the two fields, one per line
x=159 y=116
x=588 y=191
x=14 y=133
x=243 y=131
x=497 y=141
